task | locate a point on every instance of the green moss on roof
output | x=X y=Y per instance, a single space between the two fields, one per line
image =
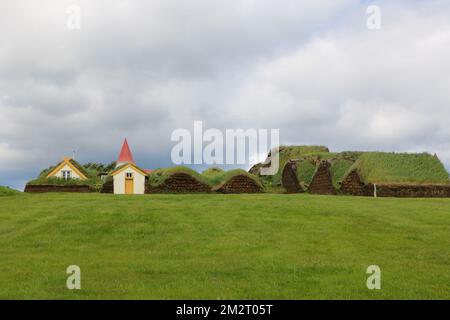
x=87 y=172
x=302 y=150
x=305 y=171
x=307 y=157
x=82 y=169
x=212 y=172
x=338 y=170
x=91 y=173
x=158 y=176
x=224 y=176
x=391 y=168
x=211 y=176
x=296 y=152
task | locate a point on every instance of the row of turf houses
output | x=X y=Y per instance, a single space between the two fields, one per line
x=125 y=177
x=367 y=174
x=312 y=169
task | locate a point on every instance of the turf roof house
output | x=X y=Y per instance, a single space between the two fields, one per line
x=68 y=168
x=128 y=178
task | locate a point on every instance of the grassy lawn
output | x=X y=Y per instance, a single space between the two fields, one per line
x=265 y=246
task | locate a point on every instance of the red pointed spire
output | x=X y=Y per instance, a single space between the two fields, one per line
x=125 y=155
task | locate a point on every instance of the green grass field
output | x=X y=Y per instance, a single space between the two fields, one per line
x=264 y=246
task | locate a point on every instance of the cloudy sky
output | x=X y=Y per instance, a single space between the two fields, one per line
x=141 y=69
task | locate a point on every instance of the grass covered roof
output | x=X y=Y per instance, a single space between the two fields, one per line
x=295 y=152
x=221 y=177
x=90 y=170
x=212 y=176
x=158 y=176
x=400 y=168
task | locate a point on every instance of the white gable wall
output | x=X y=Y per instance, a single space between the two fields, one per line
x=73 y=174
x=138 y=179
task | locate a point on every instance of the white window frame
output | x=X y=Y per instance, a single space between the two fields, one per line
x=66 y=174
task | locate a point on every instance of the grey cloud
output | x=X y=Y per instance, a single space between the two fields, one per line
x=143 y=69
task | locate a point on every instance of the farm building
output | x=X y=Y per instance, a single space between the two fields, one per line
x=68 y=169
x=397 y=175
x=128 y=178
x=312 y=169
x=177 y=180
x=66 y=176
x=359 y=173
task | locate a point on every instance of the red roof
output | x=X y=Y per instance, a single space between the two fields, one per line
x=148 y=170
x=125 y=154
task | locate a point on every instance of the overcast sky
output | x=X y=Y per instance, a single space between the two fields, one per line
x=141 y=69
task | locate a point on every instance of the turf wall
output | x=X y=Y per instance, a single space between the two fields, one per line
x=53 y=188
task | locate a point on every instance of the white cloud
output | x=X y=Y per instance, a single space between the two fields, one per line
x=141 y=70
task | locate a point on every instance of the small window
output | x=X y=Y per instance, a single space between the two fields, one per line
x=129 y=175
x=66 y=174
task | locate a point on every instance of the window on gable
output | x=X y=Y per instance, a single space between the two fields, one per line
x=129 y=175
x=66 y=174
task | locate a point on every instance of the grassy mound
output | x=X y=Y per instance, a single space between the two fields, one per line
x=401 y=168
x=339 y=169
x=340 y=164
x=224 y=176
x=305 y=171
x=210 y=173
x=6 y=191
x=293 y=152
x=212 y=177
x=158 y=176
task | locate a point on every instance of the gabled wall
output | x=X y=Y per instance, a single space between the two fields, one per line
x=119 y=181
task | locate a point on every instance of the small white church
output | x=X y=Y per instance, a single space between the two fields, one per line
x=128 y=178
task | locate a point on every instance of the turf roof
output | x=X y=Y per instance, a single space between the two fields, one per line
x=158 y=176
x=295 y=152
x=211 y=176
x=224 y=176
x=400 y=168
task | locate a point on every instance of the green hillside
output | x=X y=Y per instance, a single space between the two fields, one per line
x=420 y=168
x=5 y=191
x=252 y=246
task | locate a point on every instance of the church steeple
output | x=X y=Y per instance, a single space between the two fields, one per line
x=125 y=155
